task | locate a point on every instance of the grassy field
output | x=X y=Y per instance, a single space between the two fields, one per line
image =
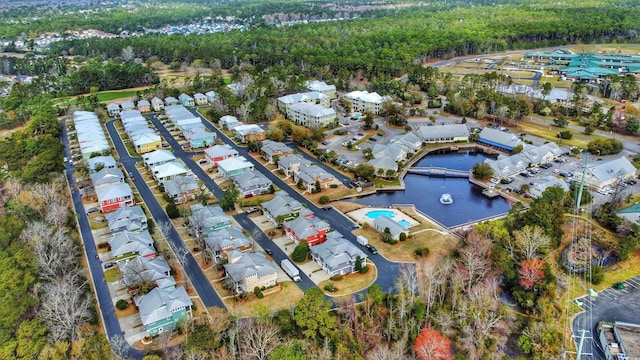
x=117 y=94
x=550 y=133
x=351 y=283
x=112 y=274
x=281 y=300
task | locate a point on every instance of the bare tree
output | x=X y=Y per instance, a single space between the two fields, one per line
x=475 y=257
x=64 y=307
x=54 y=251
x=119 y=347
x=530 y=241
x=258 y=338
x=384 y=352
x=56 y=213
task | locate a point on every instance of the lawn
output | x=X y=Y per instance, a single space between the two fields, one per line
x=381 y=182
x=114 y=95
x=352 y=282
x=284 y=299
x=112 y=274
x=550 y=133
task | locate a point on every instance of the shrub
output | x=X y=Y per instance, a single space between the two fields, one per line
x=565 y=135
x=597 y=275
x=403 y=236
x=172 y=211
x=122 y=304
x=333 y=186
x=422 y=251
x=258 y=292
x=330 y=288
x=301 y=252
x=324 y=199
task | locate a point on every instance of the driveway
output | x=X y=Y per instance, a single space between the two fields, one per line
x=609 y=305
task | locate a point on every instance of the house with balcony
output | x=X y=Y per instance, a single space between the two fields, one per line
x=114 y=196
x=212 y=96
x=217 y=153
x=90 y=135
x=311 y=97
x=312 y=175
x=163 y=309
x=170 y=101
x=252 y=183
x=128 y=105
x=311 y=115
x=157 y=104
x=505 y=166
x=281 y=208
x=250 y=270
x=199 y=137
x=128 y=218
x=200 y=99
x=146 y=142
x=186 y=100
x=224 y=241
x=113 y=110
x=273 y=150
x=249 y=133
x=229 y=122
x=337 y=255
x=147 y=270
x=363 y=101
x=98 y=163
x=169 y=170
x=291 y=164
x=158 y=157
x=306 y=228
x=208 y=218
x=144 y=106
x=127 y=245
x=235 y=166
x=181 y=189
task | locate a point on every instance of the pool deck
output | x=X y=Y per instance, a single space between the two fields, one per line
x=360 y=215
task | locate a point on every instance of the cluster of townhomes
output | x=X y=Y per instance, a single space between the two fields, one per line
x=131 y=245
x=243 y=133
x=172 y=175
x=190 y=126
x=143 y=137
x=328 y=247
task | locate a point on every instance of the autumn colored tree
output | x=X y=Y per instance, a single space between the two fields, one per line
x=431 y=345
x=531 y=272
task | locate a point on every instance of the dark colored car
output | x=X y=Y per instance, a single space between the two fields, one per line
x=619 y=286
x=109 y=265
x=372 y=249
x=268 y=251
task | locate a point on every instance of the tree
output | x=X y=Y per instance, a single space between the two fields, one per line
x=312 y=314
x=65 y=307
x=531 y=241
x=365 y=171
x=119 y=347
x=431 y=345
x=482 y=171
x=172 y=210
x=258 y=338
x=229 y=198
x=368 y=119
x=301 y=252
x=531 y=272
x=561 y=121
x=396 y=114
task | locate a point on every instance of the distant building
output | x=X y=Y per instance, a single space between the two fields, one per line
x=235 y=166
x=217 y=153
x=143 y=106
x=200 y=99
x=322 y=87
x=631 y=213
x=310 y=115
x=250 y=270
x=157 y=104
x=499 y=139
x=186 y=100
x=170 y=100
x=312 y=97
x=607 y=173
x=113 y=110
x=443 y=133
x=211 y=96
x=249 y=133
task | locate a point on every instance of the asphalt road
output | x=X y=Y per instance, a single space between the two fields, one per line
x=610 y=305
x=387 y=270
x=200 y=282
x=103 y=297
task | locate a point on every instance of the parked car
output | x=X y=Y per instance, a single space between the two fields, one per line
x=619 y=286
x=202 y=161
x=268 y=251
x=371 y=249
x=252 y=210
x=109 y=265
x=92 y=210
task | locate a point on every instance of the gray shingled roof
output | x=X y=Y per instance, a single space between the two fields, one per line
x=158 y=304
x=250 y=264
x=336 y=251
x=282 y=204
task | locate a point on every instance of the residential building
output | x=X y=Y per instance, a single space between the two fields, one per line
x=107 y=176
x=281 y=208
x=291 y=164
x=147 y=270
x=211 y=96
x=127 y=245
x=158 y=157
x=499 y=139
x=98 y=163
x=321 y=87
x=181 y=116
x=310 y=115
x=181 y=188
x=115 y=196
x=232 y=167
x=443 y=133
x=90 y=135
x=199 y=138
x=545 y=153
x=607 y=173
x=312 y=97
x=200 y=99
x=631 y=213
x=113 y=109
x=163 y=309
x=409 y=141
x=170 y=100
x=146 y=142
x=237 y=88
x=226 y=240
x=229 y=122
x=157 y=104
x=307 y=228
x=385 y=163
x=506 y=165
x=337 y=255
x=217 y=153
x=382 y=222
x=252 y=183
x=169 y=170
x=144 y=106
x=128 y=218
x=207 y=219
x=272 y=150
x=128 y=105
x=249 y=133
x=251 y=270
x=312 y=175
x=395 y=151
x=543 y=183
x=186 y=100
x=364 y=101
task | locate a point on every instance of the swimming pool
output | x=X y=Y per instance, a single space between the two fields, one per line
x=386 y=213
x=404 y=223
